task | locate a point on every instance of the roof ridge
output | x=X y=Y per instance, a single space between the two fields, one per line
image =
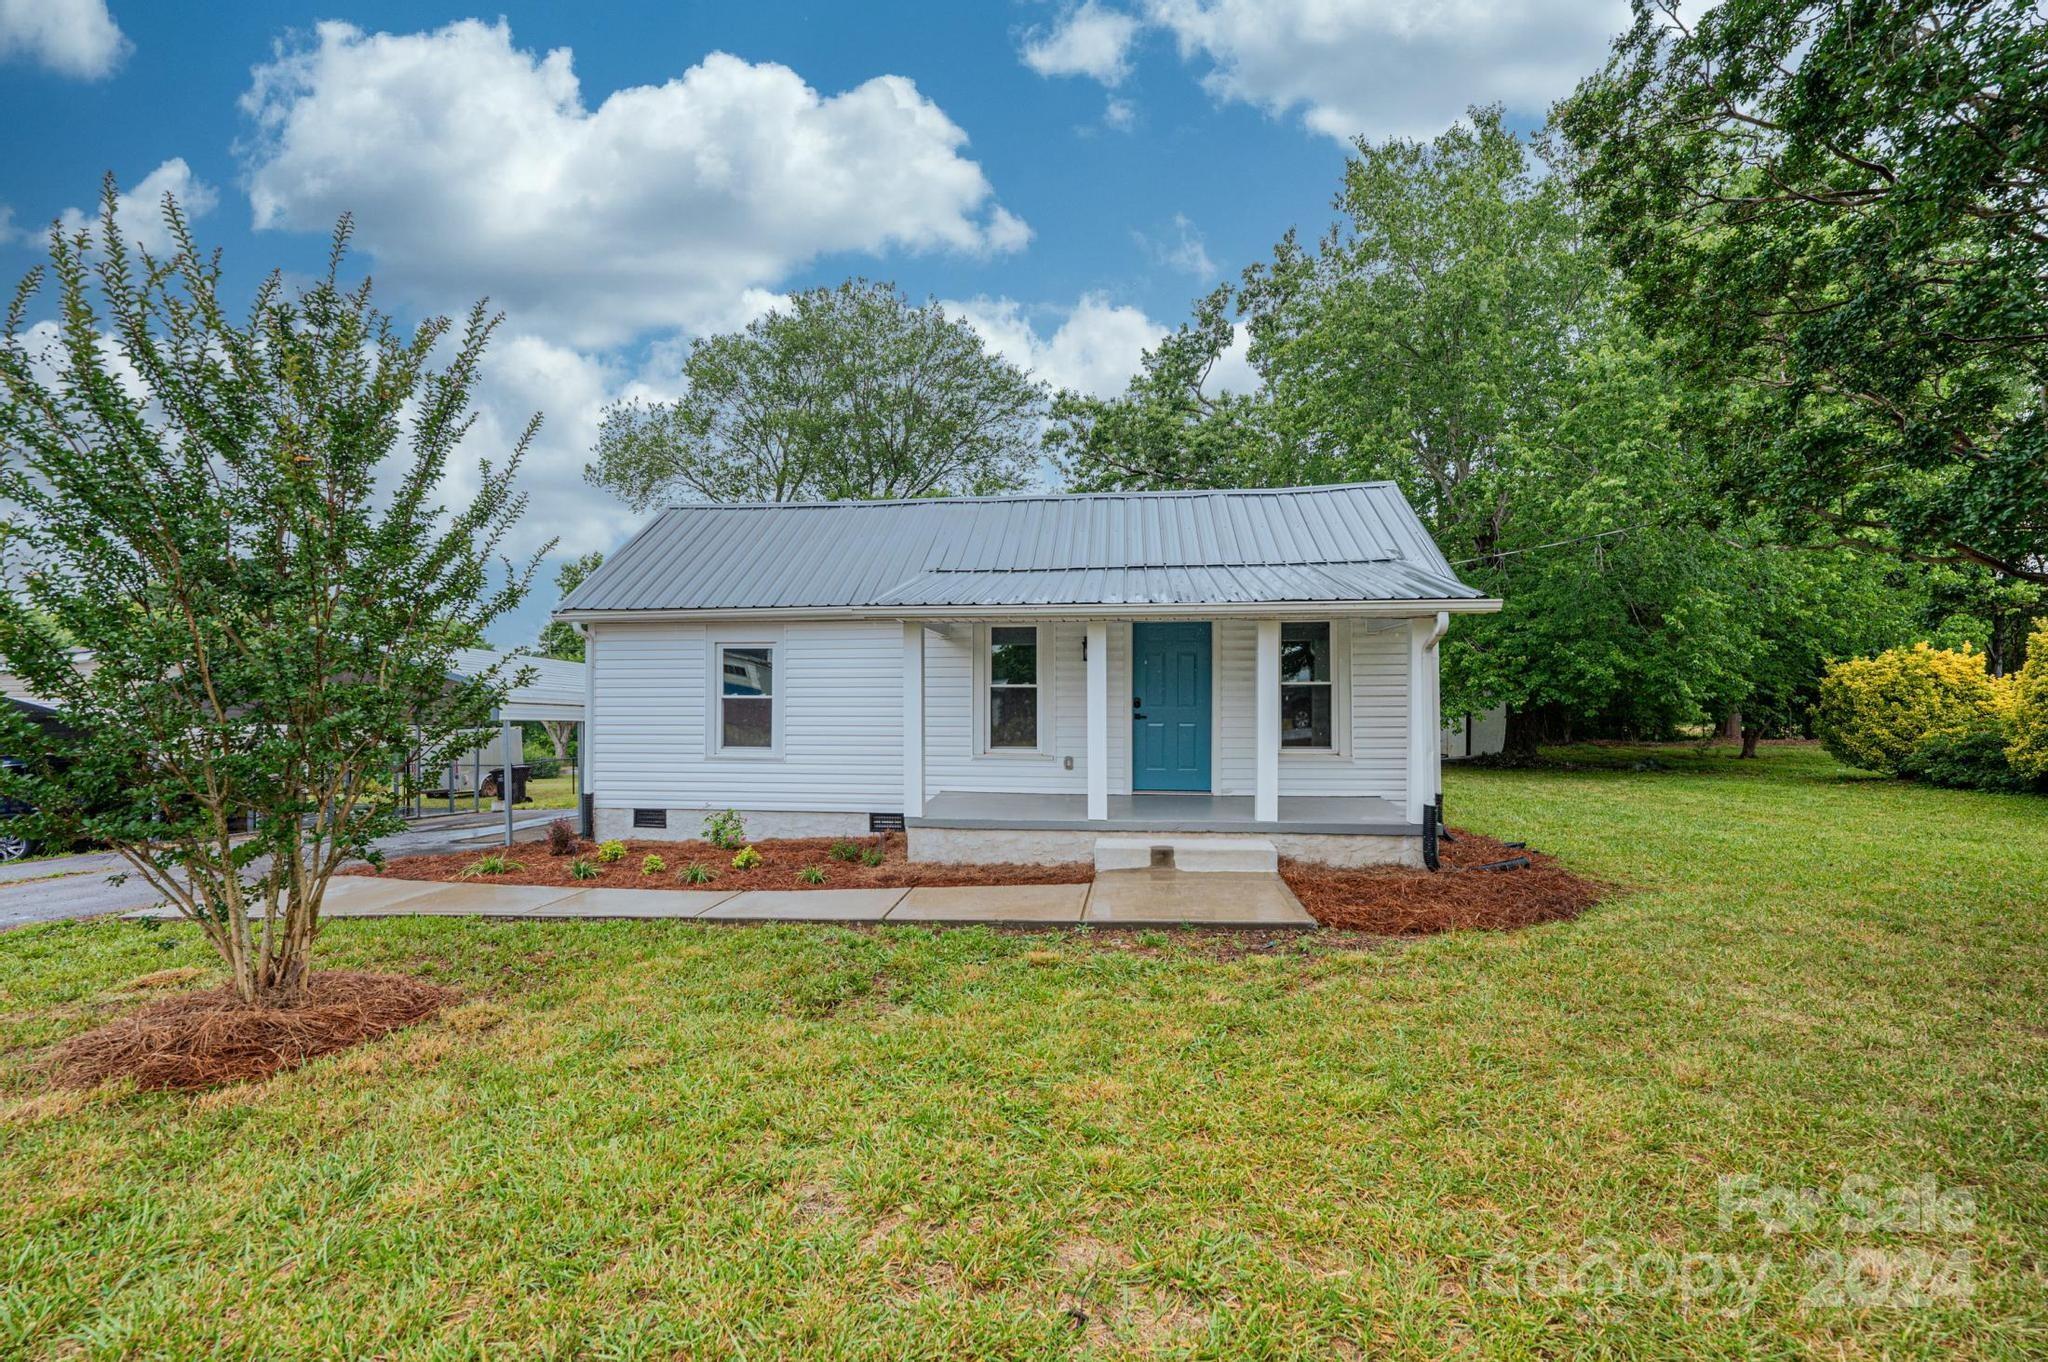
x=1005 y=498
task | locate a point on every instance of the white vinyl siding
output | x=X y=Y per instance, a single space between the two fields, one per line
x=839 y=708
x=956 y=753
x=840 y=713
x=1372 y=727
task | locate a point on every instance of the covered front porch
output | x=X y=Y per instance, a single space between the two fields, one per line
x=1029 y=735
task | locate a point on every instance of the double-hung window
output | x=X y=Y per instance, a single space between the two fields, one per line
x=746 y=697
x=1307 y=689
x=1013 y=687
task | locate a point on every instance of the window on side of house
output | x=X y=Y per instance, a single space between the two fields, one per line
x=1013 y=687
x=1307 y=693
x=746 y=697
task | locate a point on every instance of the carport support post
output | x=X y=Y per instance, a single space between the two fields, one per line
x=1266 y=720
x=505 y=782
x=913 y=719
x=1097 y=648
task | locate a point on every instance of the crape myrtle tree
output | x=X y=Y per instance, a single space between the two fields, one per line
x=1835 y=214
x=239 y=623
x=843 y=393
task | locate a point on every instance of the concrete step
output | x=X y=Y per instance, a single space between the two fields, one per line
x=1226 y=855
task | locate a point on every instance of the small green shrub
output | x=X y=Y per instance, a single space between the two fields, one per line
x=580 y=869
x=493 y=864
x=561 y=837
x=652 y=864
x=747 y=859
x=843 y=850
x=812 y=874
x=696 y=872
x=725 y=829
x=543 y=768
x=611 y=852
x=1973 y=758
x=873 y=857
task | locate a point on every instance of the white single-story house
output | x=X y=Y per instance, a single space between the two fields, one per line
x=1010 y=678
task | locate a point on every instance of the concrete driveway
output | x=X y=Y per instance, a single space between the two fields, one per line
x=60 y=887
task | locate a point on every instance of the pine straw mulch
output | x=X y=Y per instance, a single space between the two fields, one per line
x=207 y=1038
x=1393 y=901
x=781 y=859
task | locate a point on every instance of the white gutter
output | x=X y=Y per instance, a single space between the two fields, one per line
x=1443 y=609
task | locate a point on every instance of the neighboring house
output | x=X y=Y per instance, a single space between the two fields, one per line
x=1476 y=735
x=1014 y=676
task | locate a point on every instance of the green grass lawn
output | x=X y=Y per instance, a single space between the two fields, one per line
x=659 y=1139
x=555 y=792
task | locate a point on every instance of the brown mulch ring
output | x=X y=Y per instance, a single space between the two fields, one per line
x=781 y=859
x=207 y=1038
x=1393 y=901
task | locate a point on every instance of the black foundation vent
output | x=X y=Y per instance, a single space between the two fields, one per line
x=650 y=818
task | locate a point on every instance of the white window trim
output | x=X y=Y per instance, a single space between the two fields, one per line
x=1340 y=698
x=1048 y=668
x=714 y=674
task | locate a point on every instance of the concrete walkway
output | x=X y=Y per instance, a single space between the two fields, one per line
x=1118 y=898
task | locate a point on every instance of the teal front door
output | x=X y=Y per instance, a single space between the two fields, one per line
x=1170 y=706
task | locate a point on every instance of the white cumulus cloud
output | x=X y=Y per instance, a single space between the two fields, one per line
x=1391 y=67
x=71 y=37
x=1380 y=68
x=140 y=209
x=1087 y=40
x=1094 y=347
x=474 y=167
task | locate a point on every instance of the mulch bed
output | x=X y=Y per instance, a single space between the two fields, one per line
x=1380 y=900
x=1391 y=901
x=207 y=1038
x=781 y=859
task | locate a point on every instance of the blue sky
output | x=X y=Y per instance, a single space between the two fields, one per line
x=622 y=176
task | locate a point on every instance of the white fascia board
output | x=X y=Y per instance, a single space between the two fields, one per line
x=1232 y=610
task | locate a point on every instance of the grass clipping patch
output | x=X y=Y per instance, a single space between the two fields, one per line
x=1457 y=897
x=208 y=1038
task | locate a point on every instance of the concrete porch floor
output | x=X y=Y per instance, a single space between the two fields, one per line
x=1163 y=811
x=1116 y=898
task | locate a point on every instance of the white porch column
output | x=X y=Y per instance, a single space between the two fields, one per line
x=1266 y=722
x=1425 y=719
x=1097 y=647
x=913 y=719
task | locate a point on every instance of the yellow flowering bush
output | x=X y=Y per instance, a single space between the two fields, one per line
x=1874 y=710
x=2027 y=709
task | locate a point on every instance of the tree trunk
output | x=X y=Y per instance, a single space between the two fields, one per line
x=558 y=731
x=1518 y=743
x=1731 y=727
x=1749 y=737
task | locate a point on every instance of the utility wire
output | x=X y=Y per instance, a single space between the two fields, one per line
x=1553 y=544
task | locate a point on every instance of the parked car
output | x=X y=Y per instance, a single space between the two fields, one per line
x=13 y=845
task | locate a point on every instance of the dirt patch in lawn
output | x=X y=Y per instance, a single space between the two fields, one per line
x=207 y=1038
x=1459 y=896
x=783 y=859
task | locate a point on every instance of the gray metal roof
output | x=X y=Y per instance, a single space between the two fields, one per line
x=555 y=687
x=1356 y=542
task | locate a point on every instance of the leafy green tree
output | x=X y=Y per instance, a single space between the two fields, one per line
x=1166 y=429
x=845 y=393
x=230 y=614
x=1834 y=214
x=558 y=639
x=1459 y=334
